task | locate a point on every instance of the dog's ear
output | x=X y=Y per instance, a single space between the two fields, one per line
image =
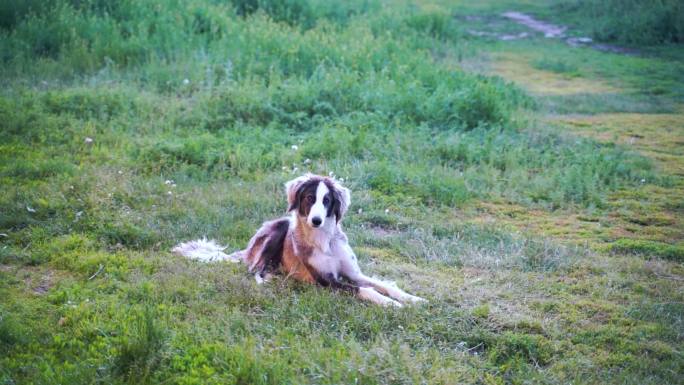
x=292 y=191
x=342 y=200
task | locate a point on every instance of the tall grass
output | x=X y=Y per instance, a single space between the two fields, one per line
x=645 y=22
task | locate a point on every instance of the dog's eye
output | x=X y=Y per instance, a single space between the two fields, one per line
x=310 y=199
x=326 y=200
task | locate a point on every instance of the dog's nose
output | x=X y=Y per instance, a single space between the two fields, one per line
x=316 y=221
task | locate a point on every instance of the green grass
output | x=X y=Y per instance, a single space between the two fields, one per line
x=649 y=248
x=640 y=22
x=197 y=112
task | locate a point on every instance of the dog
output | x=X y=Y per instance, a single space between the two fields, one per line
x=310 y=246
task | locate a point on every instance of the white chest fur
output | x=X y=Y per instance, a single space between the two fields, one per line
x=326 y=257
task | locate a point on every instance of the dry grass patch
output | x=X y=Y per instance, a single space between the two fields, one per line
x=517 y=68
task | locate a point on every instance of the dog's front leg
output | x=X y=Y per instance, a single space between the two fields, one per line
x=350 y=269
x=387 y=288
x=365 y=293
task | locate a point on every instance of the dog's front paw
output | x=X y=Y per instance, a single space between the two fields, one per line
x=414 y=299
x=392 y=303
x=369 y=294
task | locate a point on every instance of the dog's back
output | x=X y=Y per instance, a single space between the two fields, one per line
x=264 y=254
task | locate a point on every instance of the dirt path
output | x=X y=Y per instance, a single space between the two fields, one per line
x=549 y=31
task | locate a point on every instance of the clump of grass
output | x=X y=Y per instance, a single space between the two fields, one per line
x=648 y=248
x=510 y=349
x=12 y=333
x=556 y=65
x=305 y=13
x=431 y=186
x=139 y=350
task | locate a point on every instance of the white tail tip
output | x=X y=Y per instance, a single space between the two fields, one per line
x=204 y=250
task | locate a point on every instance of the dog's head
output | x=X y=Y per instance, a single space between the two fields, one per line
x=317 y=198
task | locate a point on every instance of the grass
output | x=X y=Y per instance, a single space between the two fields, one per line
x=498 y=179
x=638 y=22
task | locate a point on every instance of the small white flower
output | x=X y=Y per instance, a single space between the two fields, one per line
x=331 y=174
x=30 y=209
x=120 y=172
x=173 y=185
x=295 y=147
x=169 y=193
x=295 y=169
x=88 y=140
x=643 y=181
x=386 y=211
x=284 y=168
x=78 y=214
x=168 y=182
x=341 y=179
x=360 y=211
x=186 y=81
x=307 y=161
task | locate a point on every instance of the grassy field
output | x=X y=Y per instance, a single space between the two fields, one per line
x=530 y=190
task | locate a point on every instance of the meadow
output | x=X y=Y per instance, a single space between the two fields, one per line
x=529 y=189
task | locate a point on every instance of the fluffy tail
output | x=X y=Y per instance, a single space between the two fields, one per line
x=205 y=250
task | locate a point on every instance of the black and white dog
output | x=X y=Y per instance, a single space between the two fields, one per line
x=309 y=244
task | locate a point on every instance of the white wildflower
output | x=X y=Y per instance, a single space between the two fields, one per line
x=386 y=211
x=186 y=81
x=88 y=140
x=360 y=211
x=295 y=147
x=30 y=209
x=307 y=161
